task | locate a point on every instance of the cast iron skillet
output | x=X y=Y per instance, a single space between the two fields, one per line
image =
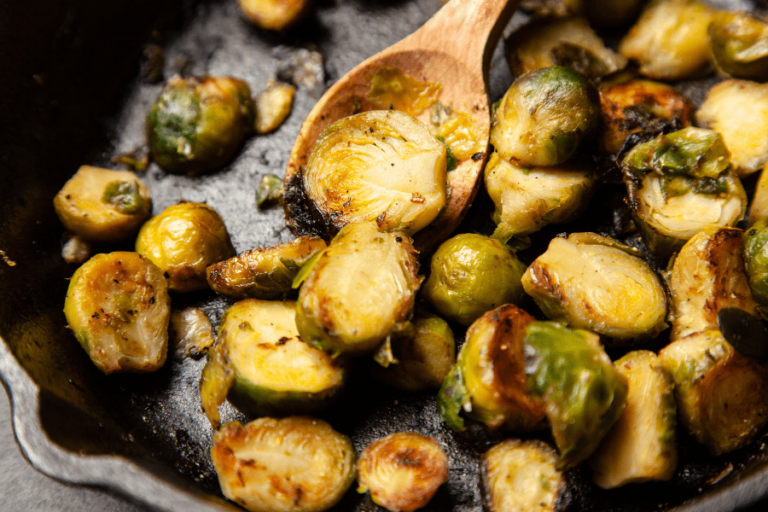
x=71 y=95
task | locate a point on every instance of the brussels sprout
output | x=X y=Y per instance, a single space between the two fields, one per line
x=393 y=89
x=756 y=263
x=738 y=111
x=190 y=333
x=679 y=184
x=294 y=464
x=402 y=470
x=641 y=446
x=270 y=191
x=425 y=353
x=265 y=273
x=359 y=291
x=708 y=275
x=520 y=476
x=669 y=41
x=488 y=382
x=528 y=199
x=593 y=282
x=740 y=44
x=565 y=42
x=183 y=241
x=722 y=396
x=472 y=274
x=545 y=117
x=759 y=207
x=118 y=308
x=103 y=205
x=582 y=391
x=273 y=105
x=197 y=124
x=274 y=14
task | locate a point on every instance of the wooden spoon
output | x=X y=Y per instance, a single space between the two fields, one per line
x=454 y=48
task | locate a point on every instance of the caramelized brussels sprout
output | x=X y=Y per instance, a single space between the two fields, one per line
x=103 y=205
x=402 y=470
x=472 y=274
x=487 y=383
x=391 y=88
x=669 y=41
x=708 y=275
x=593 y=282
x=265 y=273
x=183 y=241
x=118 y=308
x=273 y=105
x=190 y=333
x=641 y=446
x=759 y=207
x=197 y=124
x=756 y=263
x=528 y=199
x=294 y=464
x=566 y=42
x=582 y=391
x=738 y=111
x=740 y=44
x=545 y=117
x=679 y=184
x=358 y=291
x=274 y=14
x=722 y=396
x=520 y=476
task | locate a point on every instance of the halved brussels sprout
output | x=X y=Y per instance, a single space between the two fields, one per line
x=488 y=382
x=593 y=282
x=680 y=184
x=294 y=464
x=756 y=263
x=581 y=389
x=708 y=275
x=273 y=105
x=190 y=333
x=359 y=290
x=102 y=204
x=520 y=476
x=197 y=124
x=641 y=446
x=527 y=199
x=265 y=273
x=566 y=42
x=393 y=89
x=669 y=41
x=722 y=396
x=183 y=241
x=759 y=207
x=738 y=111
x=402 y=471
x=118 y=308
x=545 y=117
x=740 y=44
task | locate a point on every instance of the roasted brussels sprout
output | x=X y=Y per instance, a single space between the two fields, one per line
x=679 y=184
x=545 y=117
x=265 y=273
x=593 y=282
x=722 y=396
x=118 y=308
x=738 y=111
x=393 y=89
x=294 y=464
x=520 y=476
x=273 y=105
x=528 y=199
x=197 y=124
x=756 y=263
x=740 y=44
x=103 y=205
x=402 y=471
x=359 y=290
x=708 y=275
x=669 y=41
x=190 y=333
x=487 y=383
x=274 y=14
x=472 y=274
x=641 y=446
x=759 y=207
x=582 y=391
x=566 y=42
x=183 y=241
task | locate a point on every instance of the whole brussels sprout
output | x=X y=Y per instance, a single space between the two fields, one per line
x=183 y=241
x=756 y=263
x=472 y=274
x=740 y=44
x=197 y=124
x=545 y=117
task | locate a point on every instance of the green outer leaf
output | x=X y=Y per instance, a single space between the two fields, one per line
x=452 y=398
x=301 y=276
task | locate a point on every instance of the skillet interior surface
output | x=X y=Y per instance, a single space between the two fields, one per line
x=75 y=96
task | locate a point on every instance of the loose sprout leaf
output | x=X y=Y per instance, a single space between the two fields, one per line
x=302 y=274
x=215 y=382
x=390 y=87
x=745 y=332
x=450 y=158
x=452 y=399
x=269 y=191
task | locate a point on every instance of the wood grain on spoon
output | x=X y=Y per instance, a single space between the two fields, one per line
x=454 y=49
